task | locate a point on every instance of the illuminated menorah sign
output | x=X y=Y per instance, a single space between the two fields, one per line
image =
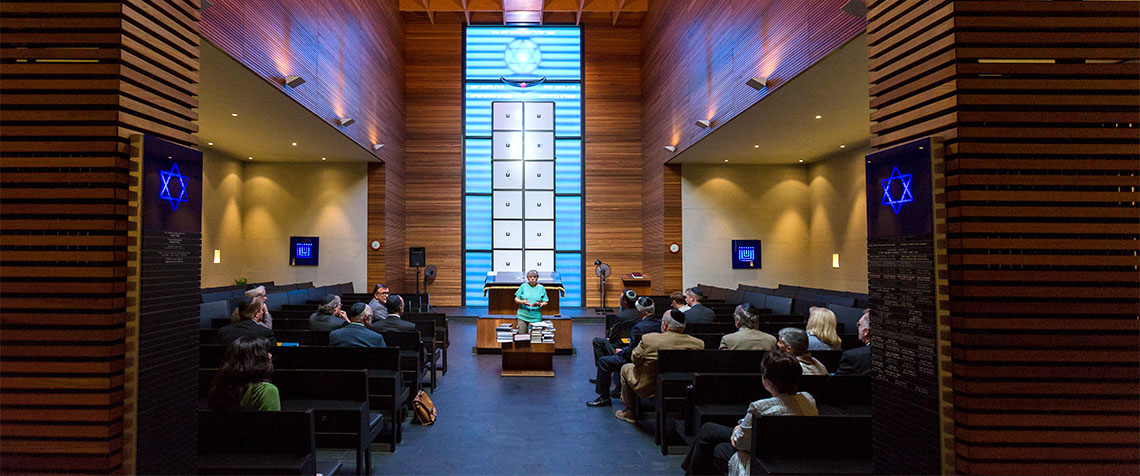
x=745 y=254
x=304 y=250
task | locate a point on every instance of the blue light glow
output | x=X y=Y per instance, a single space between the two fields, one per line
x=498 y=51
x=165 y=193
x=522 y=56
x=905 y=197
x=304 y=250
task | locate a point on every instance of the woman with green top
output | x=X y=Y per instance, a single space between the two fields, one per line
x=530 y=297
x=242 y=382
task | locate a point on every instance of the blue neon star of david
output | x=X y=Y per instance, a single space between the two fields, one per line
x=522 y=56
x=165 y=192
x=896 y=204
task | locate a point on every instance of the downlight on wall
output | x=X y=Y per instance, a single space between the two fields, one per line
x=217 y=256
x=671 y=148
x=835 y=260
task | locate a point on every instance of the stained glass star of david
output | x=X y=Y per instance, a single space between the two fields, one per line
x=896 y=203
x=522 y=56
x=165 y=193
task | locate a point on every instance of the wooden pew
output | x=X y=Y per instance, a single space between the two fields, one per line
x=339 y=400
x=411 y=359
x=718 y=398
x=281 y=442
x=442 y=334
x=675 y=373
x=825 y=444
x=387 y=394
x=306 y=337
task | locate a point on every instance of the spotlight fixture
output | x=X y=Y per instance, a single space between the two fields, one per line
x=209 y=143
x=377 y=146
x=757 y=146
x=758 y=82
x=346 y=121
x=843 y=146
x=233 y=114
x=817 y=116
x=293 y=81
x=703 y=123
x=671 y=148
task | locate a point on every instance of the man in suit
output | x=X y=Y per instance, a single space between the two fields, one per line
x=697 y=312
x=625 y=320
x=357 y=333
x=747 y=336
x=610 y=364
x=252 y=291
x=250 y=314
x=639 y=379
x=857 y=361
x=329 y=315
x=380 y=295
x=391 y=322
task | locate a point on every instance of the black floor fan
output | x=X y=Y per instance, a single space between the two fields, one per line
x=602 y=271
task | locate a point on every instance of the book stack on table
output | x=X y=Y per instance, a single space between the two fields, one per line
x=542 y=332
x=504 y=332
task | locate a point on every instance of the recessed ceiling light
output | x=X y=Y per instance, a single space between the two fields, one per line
x=234 y=114
x=843 y=146
x=294 y=144
x=322 y=158
x=801 y=161
x=209 y=143
x=757 y=146
x=817 y=116
x=251 y=158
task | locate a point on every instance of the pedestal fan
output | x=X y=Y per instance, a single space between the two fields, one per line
x=602 y=271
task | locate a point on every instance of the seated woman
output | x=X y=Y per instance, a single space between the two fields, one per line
x=821 y=330
x=719 y=449
x=242 y=382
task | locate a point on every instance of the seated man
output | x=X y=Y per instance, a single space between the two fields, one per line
x=857 y=361
x=380 y=294
x=747 y=336
x=639 y=379
x=625 y=320
x=392 y=322
x=357 y=333
x=698 y=311
x=250 y=314
x=795 y=341
x=717 y=447
x=329 y=316
x=609 y=364
x=252 y=291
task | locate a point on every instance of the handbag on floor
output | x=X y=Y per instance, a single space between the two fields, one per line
x=424 y=408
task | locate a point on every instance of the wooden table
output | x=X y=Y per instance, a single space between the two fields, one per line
x=526 y=359
x=642 y=286
x=485 y=337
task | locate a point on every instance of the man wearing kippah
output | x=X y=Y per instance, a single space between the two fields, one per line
x=329 y=315
x=610 y=364
x=698 y=312
x=357 y=333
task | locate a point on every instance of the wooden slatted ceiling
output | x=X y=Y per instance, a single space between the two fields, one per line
x=79 y=79
x=1038 y=105
x=348 y=51
x=696 y=58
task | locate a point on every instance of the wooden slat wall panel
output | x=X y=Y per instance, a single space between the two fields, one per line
x=1041 y=224
x=79 y=79
x=696 y=58
x=349 y=52
x=433 y=170
x=611 y=57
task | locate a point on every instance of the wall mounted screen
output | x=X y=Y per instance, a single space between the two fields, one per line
x=745 y=254
x=523 y=194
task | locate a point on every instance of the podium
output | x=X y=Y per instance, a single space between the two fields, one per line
x=500 y=288
x=642 y=286
x=485 y=342
x=527 y=359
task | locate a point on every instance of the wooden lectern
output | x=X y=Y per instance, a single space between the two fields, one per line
x=500 y=287
x=642 y=286
x=526 y=359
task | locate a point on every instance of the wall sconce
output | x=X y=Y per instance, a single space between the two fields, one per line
x=758 y=82
x=671 y=148
x=704 y=123
x=835 y=260
x=217 y=256
x=377 y=146
x=293 y=81
x=346 y=121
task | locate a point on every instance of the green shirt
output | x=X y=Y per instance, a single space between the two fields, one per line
x=261 y=396
x=535 y=293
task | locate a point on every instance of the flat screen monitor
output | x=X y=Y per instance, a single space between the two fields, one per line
x=745 y=254
x=304 y=250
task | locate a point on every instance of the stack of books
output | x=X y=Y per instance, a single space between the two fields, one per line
x=522 y=338
x=504 y=333
x=542 y=332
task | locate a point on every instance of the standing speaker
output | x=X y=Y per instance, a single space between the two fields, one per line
x=417 y=257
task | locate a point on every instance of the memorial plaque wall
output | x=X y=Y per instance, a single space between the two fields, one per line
x=900 y=252
x=169 y=296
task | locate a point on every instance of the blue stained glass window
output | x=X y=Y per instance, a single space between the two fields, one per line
x=478 y=163
x=478 y=264
x=525 y=52
x=478 y=226
x=568 y=166
x=569 y=265
x=567 y=105
x=567 y=223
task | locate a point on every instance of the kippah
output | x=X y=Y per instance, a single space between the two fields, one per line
x=644 y=301
x=357 y=309
x=679 y=316
x=696 y=290
x=629 y=294
x=327 y=299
